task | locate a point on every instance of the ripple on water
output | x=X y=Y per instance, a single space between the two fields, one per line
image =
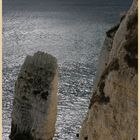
x=75 y=42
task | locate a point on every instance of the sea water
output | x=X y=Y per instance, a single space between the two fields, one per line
x=72 y=31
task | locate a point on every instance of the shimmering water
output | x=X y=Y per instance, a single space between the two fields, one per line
x=70 y=31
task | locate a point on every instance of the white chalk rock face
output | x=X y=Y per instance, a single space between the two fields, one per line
x=35 y=100
x=113 y=110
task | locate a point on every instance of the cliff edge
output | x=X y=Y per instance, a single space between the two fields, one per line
x=113 y=109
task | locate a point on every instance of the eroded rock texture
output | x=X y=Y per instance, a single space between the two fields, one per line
x=113 y=108
x=35 y=100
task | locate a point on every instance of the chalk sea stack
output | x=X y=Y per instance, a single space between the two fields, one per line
x=35 y=99
x=113 y=109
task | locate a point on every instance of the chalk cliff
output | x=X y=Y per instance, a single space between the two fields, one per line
x=35 y=100
x=113 y=109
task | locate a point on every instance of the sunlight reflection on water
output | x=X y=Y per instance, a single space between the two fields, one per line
x=75 y=40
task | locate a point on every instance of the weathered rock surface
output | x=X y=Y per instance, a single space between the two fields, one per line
x=113 y=109
x=35 y=100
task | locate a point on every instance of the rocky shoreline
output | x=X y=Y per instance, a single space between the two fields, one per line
x=113 y=107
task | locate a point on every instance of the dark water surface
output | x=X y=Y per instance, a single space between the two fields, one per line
x=72 y=31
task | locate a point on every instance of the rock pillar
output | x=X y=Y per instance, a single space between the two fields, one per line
x=35 y=100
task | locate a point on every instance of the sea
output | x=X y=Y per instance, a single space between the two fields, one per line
x=71 y=30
